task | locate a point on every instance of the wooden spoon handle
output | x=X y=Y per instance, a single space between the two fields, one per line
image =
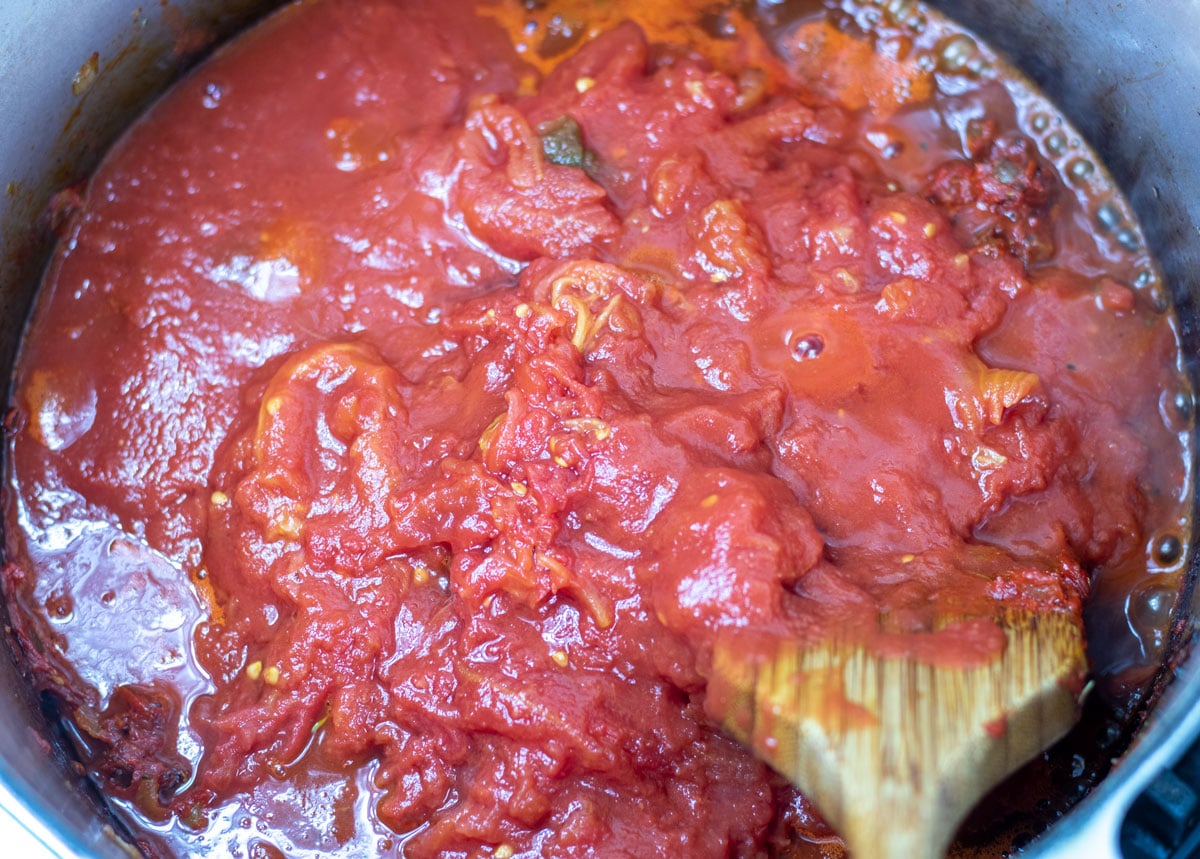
x=895 y=751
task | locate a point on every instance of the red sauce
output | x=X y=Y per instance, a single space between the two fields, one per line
x=417 y=393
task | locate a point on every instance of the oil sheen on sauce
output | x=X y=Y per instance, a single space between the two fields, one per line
x=418 y=389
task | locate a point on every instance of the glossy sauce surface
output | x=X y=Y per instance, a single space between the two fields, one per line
x=399 y=428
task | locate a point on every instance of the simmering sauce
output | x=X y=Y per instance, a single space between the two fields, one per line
x=420 y=389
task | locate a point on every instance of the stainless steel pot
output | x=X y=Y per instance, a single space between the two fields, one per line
x=1127 y=74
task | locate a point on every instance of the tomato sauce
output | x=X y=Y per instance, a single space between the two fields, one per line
x=420 y=390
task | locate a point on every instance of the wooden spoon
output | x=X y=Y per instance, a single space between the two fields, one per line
x=895 y=751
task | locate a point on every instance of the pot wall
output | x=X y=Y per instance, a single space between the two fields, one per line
x=1126 y=74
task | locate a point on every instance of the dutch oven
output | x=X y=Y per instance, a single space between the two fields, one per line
x=72 y=75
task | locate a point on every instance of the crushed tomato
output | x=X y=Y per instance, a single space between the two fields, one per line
x=457 y=392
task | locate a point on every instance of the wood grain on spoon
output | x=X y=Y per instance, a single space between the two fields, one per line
x=896 y=749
